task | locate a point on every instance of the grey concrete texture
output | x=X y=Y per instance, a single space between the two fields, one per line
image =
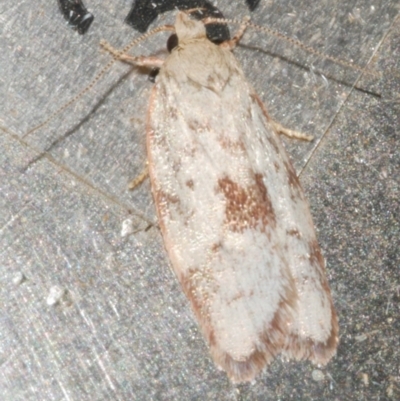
x=120 y=328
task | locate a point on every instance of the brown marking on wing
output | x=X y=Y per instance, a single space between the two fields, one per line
x=198 y=299
x=199 y=302
x=248 y=115
x=198 y=126
x=318 y=262
x=190 y=184
x=316 y=258
x=216 y=247
x=173 y=113
x=257 y=100
x=273 y=143
x=161 y=140
x=163 y=201
x=247 y=207
x=292 y=177
x=270 y=139
x=233 y=146
x=167 y=205
x=294 y=232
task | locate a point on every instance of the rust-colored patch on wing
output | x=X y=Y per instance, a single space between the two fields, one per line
x=294 y=232
x=247 y=207
x=292 y=177
x=257 y=100
x=271 y=139
x=198 y=126
x=193 y=288
x=316 y=258
x=163 y=200
x=236 y=147
x=216 y=247
x=190 y=184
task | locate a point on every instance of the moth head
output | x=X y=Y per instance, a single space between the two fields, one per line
x=187 y=29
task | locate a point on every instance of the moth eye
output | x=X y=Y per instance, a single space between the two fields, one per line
x=153 y=74
x=172 y=42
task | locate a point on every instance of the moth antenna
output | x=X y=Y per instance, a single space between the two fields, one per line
x=193 y=10
x=292 y=41
x=100 y=74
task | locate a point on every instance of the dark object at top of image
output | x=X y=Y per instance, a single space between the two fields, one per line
x=252 y=4
x=144 y=12
x=76 y=14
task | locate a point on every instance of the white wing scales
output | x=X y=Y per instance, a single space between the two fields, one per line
x=234 y=219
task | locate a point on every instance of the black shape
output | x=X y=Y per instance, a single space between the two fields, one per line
x=252 y=4
x=153 y=74
x=144 y=12
x=76 y=14
x=172 y=42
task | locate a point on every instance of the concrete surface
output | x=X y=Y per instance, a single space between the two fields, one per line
x=120 y=328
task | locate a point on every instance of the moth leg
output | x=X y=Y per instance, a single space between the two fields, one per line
x=139 y=179
x=278 y=128
x=232 y=43
x=288 y=132
x=140 y=61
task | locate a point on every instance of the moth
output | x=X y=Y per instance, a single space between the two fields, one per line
x=234 y=219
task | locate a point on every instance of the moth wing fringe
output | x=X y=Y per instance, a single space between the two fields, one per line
x=295 y=347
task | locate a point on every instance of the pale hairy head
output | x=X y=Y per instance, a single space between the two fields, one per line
x=188 y=29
